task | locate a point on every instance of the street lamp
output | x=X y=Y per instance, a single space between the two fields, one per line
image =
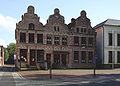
x=94 y=62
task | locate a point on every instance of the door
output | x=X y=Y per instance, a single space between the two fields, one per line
x=48 y=56
x=64 y=59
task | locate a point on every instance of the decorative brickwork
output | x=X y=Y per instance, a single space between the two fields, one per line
x=55 y=43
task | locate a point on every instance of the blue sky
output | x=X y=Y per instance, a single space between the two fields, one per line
x=12 y=10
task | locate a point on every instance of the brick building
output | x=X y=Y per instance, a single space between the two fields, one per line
x=1 y=55
x=58 y=44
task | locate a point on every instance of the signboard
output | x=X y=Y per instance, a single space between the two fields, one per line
x=94 y=61
x=14 y=57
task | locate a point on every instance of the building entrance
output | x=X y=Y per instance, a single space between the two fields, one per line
x=60 y=59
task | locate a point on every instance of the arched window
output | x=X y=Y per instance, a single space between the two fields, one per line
x=31 y=26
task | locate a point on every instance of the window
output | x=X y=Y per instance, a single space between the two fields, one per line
x=40 y=55
x=118 y=39
x=76 y=40
x=90 y=57
x=57 y=59
x=56 y=28
x=83 y=57
x=110 y=56
x=118 y=57
x=83 y=41
x=39 y=38
x=49 y=39
x=90 y=42
x=23 y=55
x=64 y=40
x=83 y=30
x=110 y=39
x=31 y=37
x=31 y=26
x=22 y=37
x=56 y=40
x=77 y=30
x=76 y=56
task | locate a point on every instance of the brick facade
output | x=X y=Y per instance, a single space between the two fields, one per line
x=1 y=56
x=58 y=44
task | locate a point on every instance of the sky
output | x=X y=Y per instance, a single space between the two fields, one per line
x=12 y=10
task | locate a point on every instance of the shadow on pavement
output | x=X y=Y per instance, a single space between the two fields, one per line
x=7 y=69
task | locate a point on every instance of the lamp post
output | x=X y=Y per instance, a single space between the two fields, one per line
x=50 y=71
x=94 y=62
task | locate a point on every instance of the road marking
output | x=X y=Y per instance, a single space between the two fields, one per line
x=117 y=79
x=1 y=74
x=19 y=80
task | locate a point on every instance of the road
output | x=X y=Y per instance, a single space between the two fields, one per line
x=9 y=78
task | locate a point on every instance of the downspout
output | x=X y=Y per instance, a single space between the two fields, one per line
x=103 y=46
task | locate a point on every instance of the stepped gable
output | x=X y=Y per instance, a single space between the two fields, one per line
x=29 y=18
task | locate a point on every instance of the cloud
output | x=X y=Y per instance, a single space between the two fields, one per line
x=43 y=21
x=2 y=42
x=8 y=22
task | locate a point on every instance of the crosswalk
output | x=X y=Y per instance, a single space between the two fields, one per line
x=1 y=74
x=20 y=81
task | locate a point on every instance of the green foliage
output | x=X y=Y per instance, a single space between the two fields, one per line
x=6 y=54
x=11 y=48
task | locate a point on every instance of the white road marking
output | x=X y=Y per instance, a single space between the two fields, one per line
x=1 y=74
x=19 y=80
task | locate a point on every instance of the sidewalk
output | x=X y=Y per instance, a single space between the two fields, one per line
x=70 y=75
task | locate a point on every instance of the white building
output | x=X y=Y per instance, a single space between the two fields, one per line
x=108 y=42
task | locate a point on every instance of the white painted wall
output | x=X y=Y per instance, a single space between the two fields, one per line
x=114 y=30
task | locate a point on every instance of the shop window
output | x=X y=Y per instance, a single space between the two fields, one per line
x=57 y=59
x=23 y=55
x=22 y=37
x=40 y=55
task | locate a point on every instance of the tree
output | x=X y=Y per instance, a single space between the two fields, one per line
x=11 y=50
x=6 y=54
